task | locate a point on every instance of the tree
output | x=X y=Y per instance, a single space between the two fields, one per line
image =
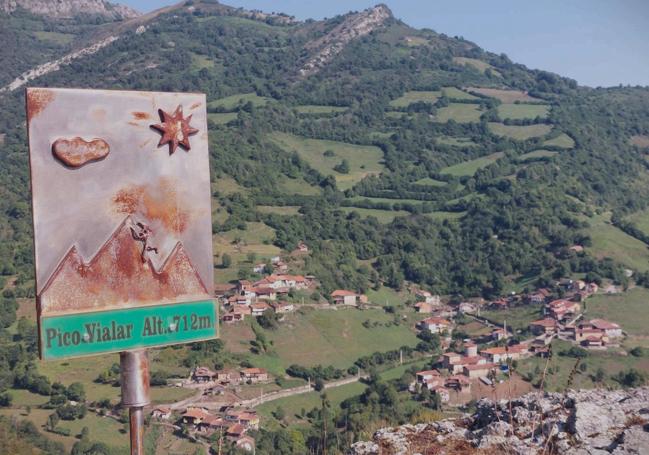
x=319 y=385
x=279 y=413
x=226 y=261
x=600 y=375
x=342 y=167
x=76 y=392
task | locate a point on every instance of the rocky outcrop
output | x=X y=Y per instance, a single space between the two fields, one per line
x=576 y=423
x=324 y=49
x=54 y=65
x=70 y=8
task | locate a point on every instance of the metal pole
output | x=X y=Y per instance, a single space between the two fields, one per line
x=134 y=368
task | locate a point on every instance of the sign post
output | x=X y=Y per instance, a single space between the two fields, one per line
x=122 y=228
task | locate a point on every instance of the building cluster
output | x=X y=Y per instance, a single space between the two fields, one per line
x=229 y=423
x=203 y=375
x=248 y=298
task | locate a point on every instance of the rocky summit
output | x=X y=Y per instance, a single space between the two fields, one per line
x=70 y=8
x=584 y=422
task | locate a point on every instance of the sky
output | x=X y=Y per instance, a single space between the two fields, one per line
x=596 y=42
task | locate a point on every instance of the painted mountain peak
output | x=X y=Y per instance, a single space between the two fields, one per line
x=117 y=276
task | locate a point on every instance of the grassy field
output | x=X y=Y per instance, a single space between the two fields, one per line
x=363 y=159
x=629 y=309
x=523 y=111
x=237 y=243
x=640 y=220
x=384 y=216
x=227 y=185
x=201 y=61
x=457 y=94
x=560 y=367
x=384 y=199
x=474 y=62
x=279 y=210
x=230 y=103
x=562 y=141
x=455 y=141
x=102 y=429
x=460 y=112
x=297 y=186
x=222 y=118
x=640 y=141
x=414 y=96
x=294 y=405
x=427 y=181
x=520 y=133
x=537 y=154
x=337 y=338
x=315 y=110
x=471 y=167
x=517 y=318
x=388 y=296
x=609 y=241
x=506 y=96
x=55 y=37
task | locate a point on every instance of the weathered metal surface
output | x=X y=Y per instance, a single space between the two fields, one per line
x=119 y=222
x=136 y=427
x=134 y=370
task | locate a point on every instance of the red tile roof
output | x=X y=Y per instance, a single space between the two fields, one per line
x=342 y=293
x=604 y=325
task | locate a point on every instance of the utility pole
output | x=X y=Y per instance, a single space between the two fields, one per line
x=134 y=370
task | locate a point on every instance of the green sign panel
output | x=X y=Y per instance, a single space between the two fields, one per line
x=130 y=328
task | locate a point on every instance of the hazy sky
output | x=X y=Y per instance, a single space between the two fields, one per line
x=596 y=42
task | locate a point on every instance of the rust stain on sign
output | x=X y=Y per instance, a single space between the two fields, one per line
x=117 y=276
x=157 y=201
x=77 y=152
x=37 y=101
x=141 y=115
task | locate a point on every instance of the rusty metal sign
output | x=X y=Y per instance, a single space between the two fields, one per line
x=122 y=219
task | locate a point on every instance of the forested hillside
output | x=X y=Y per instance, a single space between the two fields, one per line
x=397 y=155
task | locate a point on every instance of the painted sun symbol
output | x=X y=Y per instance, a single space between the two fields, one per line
x=175 y=129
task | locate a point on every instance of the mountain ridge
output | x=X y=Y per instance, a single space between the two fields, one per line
x=70 y=8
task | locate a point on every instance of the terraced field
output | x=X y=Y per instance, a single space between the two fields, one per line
x=459 y=112
x=538 y=154
x=230 y=103
x=520 y=133
x=383 y=216
x=523 y=111
x=505 y=96
x=609 y=241
x=468 y=168
x=477 y=64
x=363 y=159
x=562 y=141
x=457 y=94
x=316 y=110
x=221 y=118
x=415 y=96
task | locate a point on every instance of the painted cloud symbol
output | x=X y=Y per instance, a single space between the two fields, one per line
x=78 y=152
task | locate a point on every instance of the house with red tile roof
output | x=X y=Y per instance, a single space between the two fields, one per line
x=545 y=326
x=479 y=370
x=345 y=297
x=253 y=375
x=503 y=353
x=611 y=329
x=435 y=325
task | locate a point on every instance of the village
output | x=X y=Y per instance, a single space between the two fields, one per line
x=468 y=368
